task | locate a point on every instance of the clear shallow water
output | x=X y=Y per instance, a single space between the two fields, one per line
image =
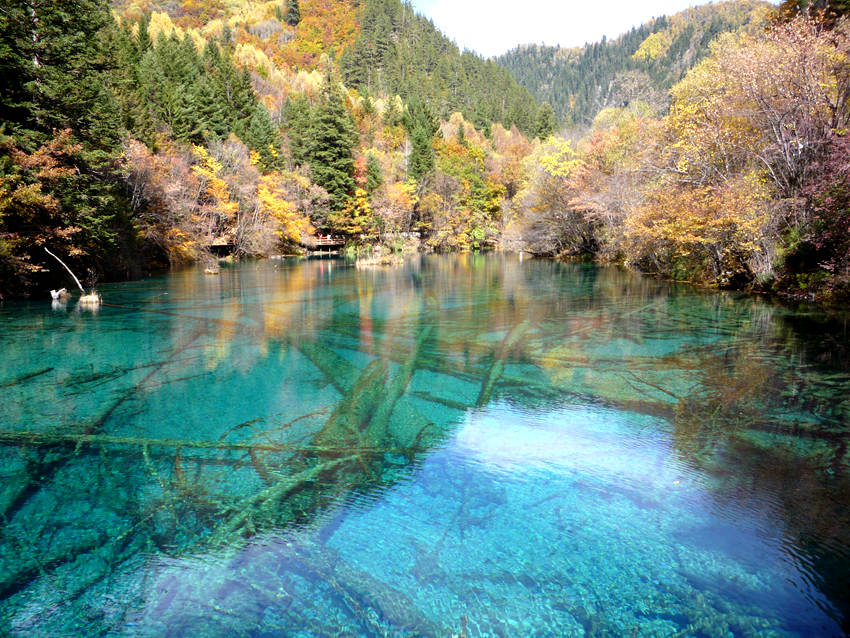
x=468 y=446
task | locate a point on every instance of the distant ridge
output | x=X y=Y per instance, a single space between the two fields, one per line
x=639 y=65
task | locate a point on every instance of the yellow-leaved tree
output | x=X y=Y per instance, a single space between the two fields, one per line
x=216 y=212
x=274 y=202
x=550 y=224
x=692 y=232
x=746 y=128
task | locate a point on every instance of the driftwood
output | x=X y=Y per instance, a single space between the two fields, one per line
x=366 y=597
x=339 y=372
x=373 y=419
x=70 y=272
x=47 y=469
x=86 y=300
x=265 y=501
x=354 y=436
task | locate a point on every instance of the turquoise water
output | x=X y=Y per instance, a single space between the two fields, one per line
x=465 y=446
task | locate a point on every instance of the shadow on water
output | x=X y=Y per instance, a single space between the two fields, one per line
x=241 y=428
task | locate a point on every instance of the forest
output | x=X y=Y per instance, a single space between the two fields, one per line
x=642 y=64
x=140 y=134
x=742 y=183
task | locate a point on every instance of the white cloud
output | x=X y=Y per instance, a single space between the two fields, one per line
x=491 y=27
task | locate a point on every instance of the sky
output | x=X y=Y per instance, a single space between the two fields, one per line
x=492 y=27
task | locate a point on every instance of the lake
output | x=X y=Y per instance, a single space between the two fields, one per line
x=469 y=445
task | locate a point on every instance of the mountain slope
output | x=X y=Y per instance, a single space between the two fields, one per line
x=381 y=47
x=401 y=52
x=640 y=65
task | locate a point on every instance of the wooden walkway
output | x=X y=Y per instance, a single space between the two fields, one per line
x=318 y=243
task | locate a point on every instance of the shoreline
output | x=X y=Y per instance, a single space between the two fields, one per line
x=391 y=260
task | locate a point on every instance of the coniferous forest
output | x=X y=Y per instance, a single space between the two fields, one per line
x=642 y=64
x=708 y=146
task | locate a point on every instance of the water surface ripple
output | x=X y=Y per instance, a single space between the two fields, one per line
x=463 y=446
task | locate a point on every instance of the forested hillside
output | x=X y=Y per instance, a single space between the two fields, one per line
x=744 y=182
x=141 y=133
x=401 y=52
x=642 y=64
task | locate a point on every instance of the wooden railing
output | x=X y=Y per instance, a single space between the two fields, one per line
x=322 y=242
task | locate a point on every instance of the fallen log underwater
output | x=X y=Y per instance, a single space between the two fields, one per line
x=25 y=377
x=37 y=439
x=375 y=417
x=240 y=518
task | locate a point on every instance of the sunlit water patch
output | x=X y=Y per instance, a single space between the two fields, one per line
x=466 y=446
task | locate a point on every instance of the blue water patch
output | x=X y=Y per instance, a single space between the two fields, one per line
x=581 y=521
x=462 y=446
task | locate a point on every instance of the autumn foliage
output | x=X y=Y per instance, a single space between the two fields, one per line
x=208 y=127
x=743 y=182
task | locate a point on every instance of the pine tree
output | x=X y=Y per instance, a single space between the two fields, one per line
x=293 y=13
x=334 y=136
x=392 y=114
x=58 y=65
x=143 y=38
x=186 y=123
x=398 y=52
x=545 y=125
x=263 y=136
x=16 y=68
x=124 y=81
x=298 y=121
x=68 y=70
x=211 y=112
x=374 y=175
x=421 y=126
x=232 y=88
x=174 y=85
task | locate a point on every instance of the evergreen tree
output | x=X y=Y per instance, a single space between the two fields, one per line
x=545 y=122
x=461 y=135
x=298 y=121
x=69 y=70
x=392 y=114
x=399 y=52
x=232 y=88
x=334 y=136
x=262 y=136
x=143 y=38
x=293 y=13
x=172 y=83
x=579 y=84
x=16 y=68
x=184 y=116
x=421 y=125
x=374 y=175
x=211 y=111
x=125 y=83
x=58 y=65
